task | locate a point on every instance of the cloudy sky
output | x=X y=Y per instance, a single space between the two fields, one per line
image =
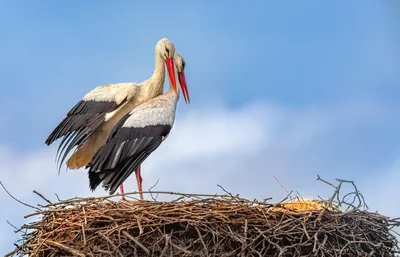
x=287 y=90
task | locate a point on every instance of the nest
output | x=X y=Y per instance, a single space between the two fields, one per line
x=201 y=225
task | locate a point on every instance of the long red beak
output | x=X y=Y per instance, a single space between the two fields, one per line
x=182 y=82
x=171 y=71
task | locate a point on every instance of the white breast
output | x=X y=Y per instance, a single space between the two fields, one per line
x=158 y=111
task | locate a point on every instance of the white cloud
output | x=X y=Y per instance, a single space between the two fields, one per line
x=238 y=149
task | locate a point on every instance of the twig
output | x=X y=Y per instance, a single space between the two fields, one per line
x=277 y=180
x=202 y=241
x=41 y=196
x=65 y=248
x=136 y=242
x=58 y=198
x=244 y=245
x=111 y=243
x=164 y=250
x=16 y=229
x=30 y=206
x=326 y=182
x=223 y=189
x=335 y=194
x=139 y=226
x=83 y=227
x=155 y=199
x=284 y=199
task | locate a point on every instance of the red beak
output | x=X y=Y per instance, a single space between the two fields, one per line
x=182 y=82
x=171 y=71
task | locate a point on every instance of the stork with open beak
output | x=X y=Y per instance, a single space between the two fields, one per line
x=136 y=136
x=89 y=123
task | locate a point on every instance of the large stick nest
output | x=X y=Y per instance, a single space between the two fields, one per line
x=198 y=225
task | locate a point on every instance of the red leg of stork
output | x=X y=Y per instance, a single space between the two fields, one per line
x=139 y=180
x=122 y=191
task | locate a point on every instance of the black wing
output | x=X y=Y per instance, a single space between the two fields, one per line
x=84 y=118
x=125 y=150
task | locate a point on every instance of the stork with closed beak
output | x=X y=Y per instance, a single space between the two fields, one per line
x=89 y=123
x=136 y=136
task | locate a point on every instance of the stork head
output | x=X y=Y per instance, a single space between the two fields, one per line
x=166 y=50
x=180 y=68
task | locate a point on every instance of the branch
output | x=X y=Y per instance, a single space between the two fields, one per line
x=5 y=189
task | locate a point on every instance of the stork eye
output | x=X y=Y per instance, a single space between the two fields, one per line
x=166 y=49
x=183 y=65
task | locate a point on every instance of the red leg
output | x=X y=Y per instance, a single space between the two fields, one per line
x=121 y=190
x=139 y=180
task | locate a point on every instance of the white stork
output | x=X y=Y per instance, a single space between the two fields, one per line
x=89 y=123
x=136 y=136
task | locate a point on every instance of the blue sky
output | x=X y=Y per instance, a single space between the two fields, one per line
x=318 y=82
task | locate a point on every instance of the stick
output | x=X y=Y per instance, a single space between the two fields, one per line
x=136 y=242
x=30 y=206
x=40 y=195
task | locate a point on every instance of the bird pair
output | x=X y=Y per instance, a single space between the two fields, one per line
x=115 y=127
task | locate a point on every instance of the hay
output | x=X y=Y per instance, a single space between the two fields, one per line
x=201 y=225
x=301 y=205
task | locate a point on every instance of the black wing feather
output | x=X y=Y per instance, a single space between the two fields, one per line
x=111 y=182
x=83 y=119
x=125 y=150
x=84 y=114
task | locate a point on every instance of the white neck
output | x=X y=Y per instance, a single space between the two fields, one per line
x=159 y=70
x=155 y=84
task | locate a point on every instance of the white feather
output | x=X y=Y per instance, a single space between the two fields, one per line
x=158 y=111
x=112 y=92
x=118 y=153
